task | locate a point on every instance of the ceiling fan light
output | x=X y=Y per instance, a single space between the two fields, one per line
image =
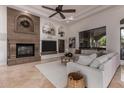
x=71 y=18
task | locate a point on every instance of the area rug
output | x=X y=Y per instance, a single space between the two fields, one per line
x=55 y=72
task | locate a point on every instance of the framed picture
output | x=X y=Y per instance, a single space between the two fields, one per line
x=72 y=42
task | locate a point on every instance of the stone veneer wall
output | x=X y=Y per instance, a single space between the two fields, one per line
x=14 y=37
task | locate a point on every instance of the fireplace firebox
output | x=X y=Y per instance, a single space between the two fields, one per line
x=25 y=50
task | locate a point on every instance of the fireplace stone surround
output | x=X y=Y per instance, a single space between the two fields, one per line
x=19 y=36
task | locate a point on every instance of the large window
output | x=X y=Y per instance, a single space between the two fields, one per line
x=93 y=38
x=122 y=43
x=122 y=39
x=102 y=42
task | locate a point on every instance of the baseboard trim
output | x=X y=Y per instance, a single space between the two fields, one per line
x=3 y=64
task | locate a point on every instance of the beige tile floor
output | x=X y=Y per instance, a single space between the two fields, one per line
x=23 y=76
x=116 y=82
x=27 y=76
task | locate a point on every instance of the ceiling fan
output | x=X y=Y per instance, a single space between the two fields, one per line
x=59 y=10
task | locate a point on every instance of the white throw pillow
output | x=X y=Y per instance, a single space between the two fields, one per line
x=86 y=60
x=98 y=61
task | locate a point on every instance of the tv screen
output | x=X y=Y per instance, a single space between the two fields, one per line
x=48 y=46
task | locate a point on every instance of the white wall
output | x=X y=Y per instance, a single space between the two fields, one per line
x=50 y=37
x=3 y=35
x=56 y=25
x=109 y=18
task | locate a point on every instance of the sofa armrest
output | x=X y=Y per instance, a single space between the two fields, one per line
x=109 y=69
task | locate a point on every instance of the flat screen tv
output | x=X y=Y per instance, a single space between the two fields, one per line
x=93 y=38
x=48 y=46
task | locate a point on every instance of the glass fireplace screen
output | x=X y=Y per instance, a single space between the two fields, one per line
x=24 y=50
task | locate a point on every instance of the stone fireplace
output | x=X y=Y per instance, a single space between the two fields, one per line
x=23 y=35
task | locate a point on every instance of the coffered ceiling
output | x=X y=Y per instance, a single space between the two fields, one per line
x=82 y=11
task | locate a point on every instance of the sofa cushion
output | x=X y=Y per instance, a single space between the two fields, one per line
x=101 y=67
x=110 y=55
x=98 y=61
x=86 y=60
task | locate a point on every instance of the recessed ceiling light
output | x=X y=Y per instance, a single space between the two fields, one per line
x=71 y=18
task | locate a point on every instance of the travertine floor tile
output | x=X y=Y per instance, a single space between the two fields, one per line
x=27 y=76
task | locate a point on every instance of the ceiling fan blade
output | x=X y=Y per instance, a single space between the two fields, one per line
x=69 y=10
x=52 y=15
x=48 y=8
x=60 y=7
x=63 y=17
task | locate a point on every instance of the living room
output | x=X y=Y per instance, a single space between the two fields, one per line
x=35 y=48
